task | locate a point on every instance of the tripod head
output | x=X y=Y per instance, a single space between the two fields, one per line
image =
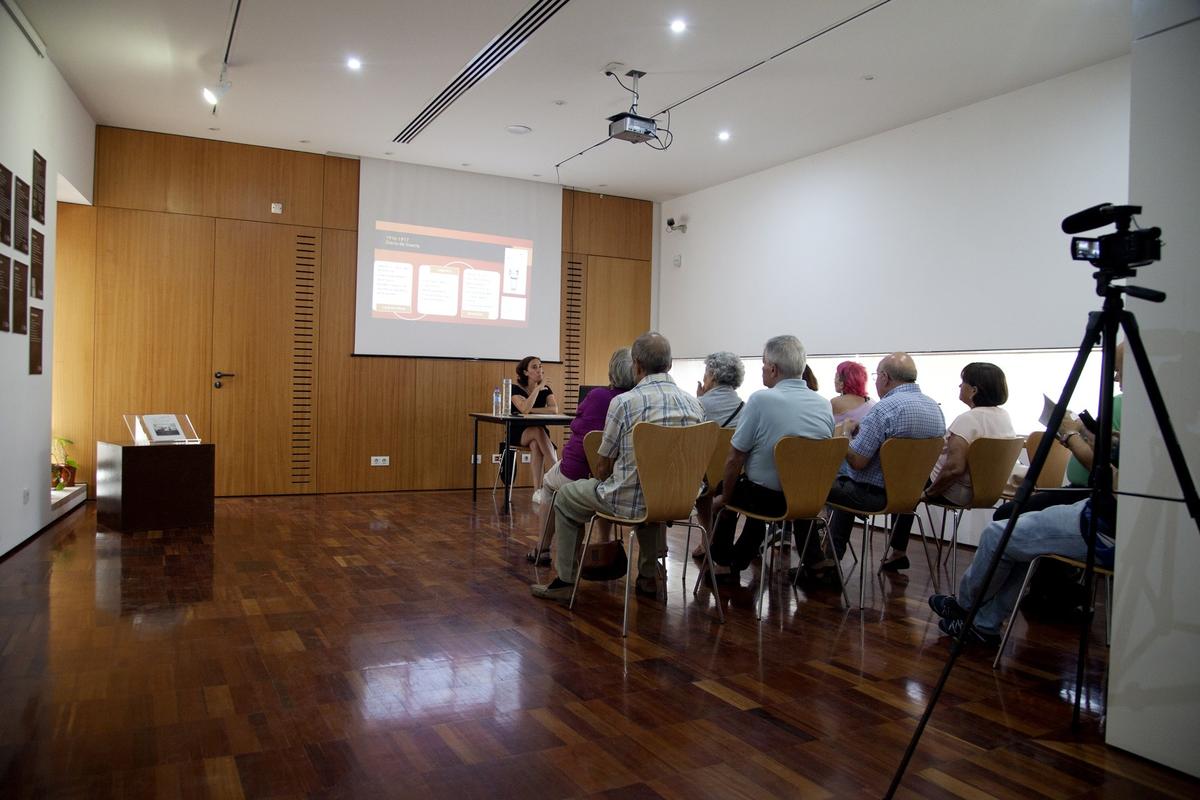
x=1115 y=255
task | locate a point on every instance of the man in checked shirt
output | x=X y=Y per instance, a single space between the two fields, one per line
x=615 y=488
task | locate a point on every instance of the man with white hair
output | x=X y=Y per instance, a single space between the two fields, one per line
x=787 y=407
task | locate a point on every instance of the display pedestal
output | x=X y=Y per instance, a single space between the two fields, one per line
x=153 y=487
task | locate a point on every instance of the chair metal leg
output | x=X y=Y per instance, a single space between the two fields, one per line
x=1012 y=617
x=933 y=573
x=804 y=550
x=707 y=563
x=628 y=581
x=712 y=574
x=587 y=538
x=850 y=547
x=762 y=577
x=862 y=571
x=954 y=548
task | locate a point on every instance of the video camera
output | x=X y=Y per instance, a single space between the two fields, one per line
x=1114 y=252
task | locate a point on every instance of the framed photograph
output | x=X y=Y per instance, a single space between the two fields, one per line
x=163 y=428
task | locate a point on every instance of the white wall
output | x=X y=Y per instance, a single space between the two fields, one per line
x=932 y=236
x=1154 y=686
x=39 y=112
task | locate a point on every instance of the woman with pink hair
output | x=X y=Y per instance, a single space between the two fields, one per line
x=852 y=402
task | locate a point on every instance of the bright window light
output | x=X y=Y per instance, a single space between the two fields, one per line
x=678 y=26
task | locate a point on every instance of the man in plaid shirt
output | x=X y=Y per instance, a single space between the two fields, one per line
x=615 y=489
x=903 y=411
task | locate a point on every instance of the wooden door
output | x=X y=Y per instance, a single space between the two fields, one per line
x=154 y=282
x=617 y=311
x=264 y=332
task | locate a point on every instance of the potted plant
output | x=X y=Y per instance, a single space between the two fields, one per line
x=62 y=466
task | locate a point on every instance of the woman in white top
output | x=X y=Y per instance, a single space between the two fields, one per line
x=983 y=390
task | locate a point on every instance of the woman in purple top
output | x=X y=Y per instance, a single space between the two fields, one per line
x=590 y=417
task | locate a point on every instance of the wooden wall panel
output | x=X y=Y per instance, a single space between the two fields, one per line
x=263 y=332
x=74 y=335
x=154 y=277
x=617 y=303
x=241 y=181
x=149 y=171
x=340 y=199
x=603 y=225
x=413 y=410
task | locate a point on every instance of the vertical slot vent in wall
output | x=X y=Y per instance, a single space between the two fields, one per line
x=304 y=358
x=572 y=327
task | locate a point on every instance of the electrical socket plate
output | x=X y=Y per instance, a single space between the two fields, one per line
x=526 y=458
x=496 y=458
x=381 y=461
x=476 y=459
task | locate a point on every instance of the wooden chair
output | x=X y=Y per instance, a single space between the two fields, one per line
x=1054 y=471
x=1107 y=574
x=671 y=460
x=806 y=470
x=591 y=449
x=712 y=479
x=906 y=467
x=505 y=449
x=989 y=463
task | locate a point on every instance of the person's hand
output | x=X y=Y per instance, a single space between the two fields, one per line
x=699 y=388
x=1070 y=424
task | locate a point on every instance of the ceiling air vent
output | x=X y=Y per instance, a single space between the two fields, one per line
x=482 y=64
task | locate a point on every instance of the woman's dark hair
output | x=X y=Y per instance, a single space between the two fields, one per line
x=991 y=387
x=523 y=370
x=810 y=378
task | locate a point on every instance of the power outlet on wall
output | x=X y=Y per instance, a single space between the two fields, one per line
x=381 y=461
x=496 y=457
x=526 y=458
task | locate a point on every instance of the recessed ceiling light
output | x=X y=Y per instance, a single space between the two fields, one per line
x=353 y=63
x=214 y=129
x=465 y=164
x=723 y=136
x=678 y=26
x=560 y=102
x=305 y=141
x=868 y=77
x=518 y=130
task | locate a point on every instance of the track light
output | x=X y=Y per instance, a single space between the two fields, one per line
x=213 y=95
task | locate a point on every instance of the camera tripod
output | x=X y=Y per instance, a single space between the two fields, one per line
x=1101 y=330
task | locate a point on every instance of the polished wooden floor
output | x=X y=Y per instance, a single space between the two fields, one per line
x=386 y=645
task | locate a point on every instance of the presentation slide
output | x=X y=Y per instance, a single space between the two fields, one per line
x=456 y=265
x=445 y=275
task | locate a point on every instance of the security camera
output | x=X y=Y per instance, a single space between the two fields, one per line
x=671 y=223
x=671 y=226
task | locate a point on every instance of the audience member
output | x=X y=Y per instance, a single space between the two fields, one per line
x=530 y=396
x=902 y=412
x=723 y=374
x=787 y=407
x=1061 y=530
x=983 y=390
x=810 y=378
x=852 y=402
x=615 y=489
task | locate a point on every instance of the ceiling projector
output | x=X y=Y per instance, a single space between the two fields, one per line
x=631 y=127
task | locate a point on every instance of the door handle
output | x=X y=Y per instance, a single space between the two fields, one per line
x=218 y=375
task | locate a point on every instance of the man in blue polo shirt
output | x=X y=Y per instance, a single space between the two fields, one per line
x=902 y=412
x=787 y=407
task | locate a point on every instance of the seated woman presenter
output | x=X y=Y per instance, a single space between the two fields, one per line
x=531 y=396
x=983 y=390
x=852 y=402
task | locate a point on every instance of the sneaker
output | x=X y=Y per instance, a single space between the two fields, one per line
x=953 y=627
x=946 y=607
x=554 y=590
x=652 y=587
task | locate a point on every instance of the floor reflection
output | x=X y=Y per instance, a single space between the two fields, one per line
x=153 y=576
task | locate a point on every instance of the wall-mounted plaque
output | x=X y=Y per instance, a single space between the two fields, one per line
x=39 y=187
x=20 y=298
x=21 y=216
x=6 y=177
x=5 y=291
x=35 y=341
x=37 y=264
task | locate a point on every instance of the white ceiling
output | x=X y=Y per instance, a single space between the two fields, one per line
x=142 y=63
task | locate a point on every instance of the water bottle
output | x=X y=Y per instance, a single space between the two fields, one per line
x=497 y=409
x=506 y=398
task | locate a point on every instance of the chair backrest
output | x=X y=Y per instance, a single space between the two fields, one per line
x=591 y=449
x=806 y=470
x=906 y=467
x=1054 y=471
x=990 y=462
x=670 y=463
x=720 y=454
